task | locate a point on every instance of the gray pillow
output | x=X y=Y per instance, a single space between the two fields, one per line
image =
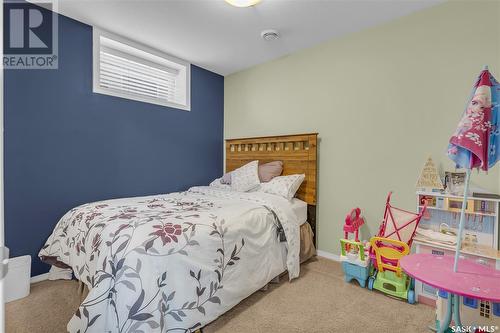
x=267 y=172
x=270 y=170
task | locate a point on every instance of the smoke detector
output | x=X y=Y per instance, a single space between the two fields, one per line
x=270 y=34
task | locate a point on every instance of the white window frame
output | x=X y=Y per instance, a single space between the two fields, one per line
x=97 y=33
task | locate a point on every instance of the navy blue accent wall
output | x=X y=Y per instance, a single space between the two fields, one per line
x=65 y=145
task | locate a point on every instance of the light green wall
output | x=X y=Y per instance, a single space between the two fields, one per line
x=382 y=100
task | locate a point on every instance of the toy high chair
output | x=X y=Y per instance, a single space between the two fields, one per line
x=389 y=246
x=354 y=254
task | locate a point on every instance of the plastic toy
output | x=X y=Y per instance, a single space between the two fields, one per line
x=473 y=312
x=353 y=222
x=355 y=261
x=354 y=254
x=389 y=278
x=398 y=224
x=393 y=241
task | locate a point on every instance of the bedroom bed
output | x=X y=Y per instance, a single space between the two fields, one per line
x=176 y=262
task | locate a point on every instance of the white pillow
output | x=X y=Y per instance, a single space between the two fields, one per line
x=284 y=186
x=217 y=184
x=246 y=177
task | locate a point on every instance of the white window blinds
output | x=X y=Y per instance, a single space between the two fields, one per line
x=138 y=73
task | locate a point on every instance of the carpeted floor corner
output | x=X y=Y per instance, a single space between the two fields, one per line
x=319 y=301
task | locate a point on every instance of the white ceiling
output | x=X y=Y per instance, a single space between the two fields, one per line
x=226 y=39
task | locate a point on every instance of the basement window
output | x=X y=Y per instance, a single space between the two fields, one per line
x=126 y=69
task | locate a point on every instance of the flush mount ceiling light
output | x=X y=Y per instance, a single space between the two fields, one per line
x=243 y=3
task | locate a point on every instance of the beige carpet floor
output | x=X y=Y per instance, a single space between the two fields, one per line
x=319 y=301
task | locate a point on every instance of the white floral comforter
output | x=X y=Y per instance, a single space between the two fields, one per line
x=171 y=263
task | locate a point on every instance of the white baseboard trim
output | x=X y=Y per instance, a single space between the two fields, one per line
x=328 y=255
x=39 y=278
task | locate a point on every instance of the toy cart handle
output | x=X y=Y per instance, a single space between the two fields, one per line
x=387 y=248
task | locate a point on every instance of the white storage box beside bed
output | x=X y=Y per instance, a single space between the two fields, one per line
x=17 y=280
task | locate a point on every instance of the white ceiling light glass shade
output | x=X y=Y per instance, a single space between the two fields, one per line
x=243 y=3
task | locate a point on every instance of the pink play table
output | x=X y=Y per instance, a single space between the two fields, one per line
x=471 y=280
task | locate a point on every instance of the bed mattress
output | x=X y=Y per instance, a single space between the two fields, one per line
x=172 y=262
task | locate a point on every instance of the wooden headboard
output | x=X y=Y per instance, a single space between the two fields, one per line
x=298 y=153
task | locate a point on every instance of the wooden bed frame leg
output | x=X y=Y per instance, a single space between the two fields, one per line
x=276 y=279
